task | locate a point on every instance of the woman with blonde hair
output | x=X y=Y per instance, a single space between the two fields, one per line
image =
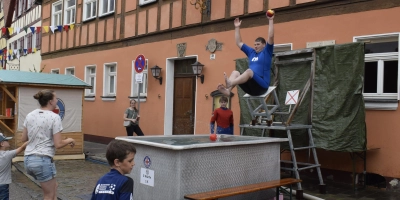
x=132 y=114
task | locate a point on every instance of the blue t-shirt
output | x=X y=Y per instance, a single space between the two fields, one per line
x=260 y=63
x=113 y=186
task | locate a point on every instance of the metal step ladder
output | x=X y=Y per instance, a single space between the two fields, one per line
x=266 y=111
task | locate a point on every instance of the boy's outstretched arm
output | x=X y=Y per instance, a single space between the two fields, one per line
x=271 y=30
x=21 y=148
x=238 y=38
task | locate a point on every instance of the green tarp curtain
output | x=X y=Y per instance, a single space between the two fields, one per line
x=338 y=111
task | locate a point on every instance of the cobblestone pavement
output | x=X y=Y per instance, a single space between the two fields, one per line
x=77 y=179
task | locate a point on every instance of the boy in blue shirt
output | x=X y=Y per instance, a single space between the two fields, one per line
x=115 y=185
x=255 y=80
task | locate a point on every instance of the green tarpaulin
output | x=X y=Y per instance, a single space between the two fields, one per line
x=338 y=112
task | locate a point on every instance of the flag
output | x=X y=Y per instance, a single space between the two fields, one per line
x=46 y=29
x=66 y=27
x=11 y=30
x=71 y=26
x=25 y=50
x=29 y=50
x=34 y=50
x=38 y=28
x=59 y=28
x=52 y=28
x=4 y=30
x=10 y=52
x=26 y=29
x=9 y=57
x=18 y=29
x=32 y=29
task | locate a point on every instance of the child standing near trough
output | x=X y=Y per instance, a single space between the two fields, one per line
x=5 y=164
x=224 y=118
x=115 y=185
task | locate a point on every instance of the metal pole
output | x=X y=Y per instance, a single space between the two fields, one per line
x=138 y=101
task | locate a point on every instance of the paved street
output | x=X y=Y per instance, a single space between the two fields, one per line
x=77 y=179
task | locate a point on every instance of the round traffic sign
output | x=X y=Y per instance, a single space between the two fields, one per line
x=140 y=63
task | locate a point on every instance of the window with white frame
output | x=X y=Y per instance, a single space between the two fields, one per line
x=69 y=12
x=110 y=79
x=106 y=7
x=55 y=71
x=29 y=4
x=90 y=78
x=20 y=6
x=282 y=47
x=56 y=13
x=381 y=70
x=70 y=71
x=89 y=9
x=141 y=86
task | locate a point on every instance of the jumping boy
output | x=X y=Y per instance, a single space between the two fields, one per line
x=5 y=165
x=255 y=80
x=224 y=118
x=115 y=185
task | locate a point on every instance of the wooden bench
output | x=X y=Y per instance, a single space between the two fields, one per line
x=213 y=195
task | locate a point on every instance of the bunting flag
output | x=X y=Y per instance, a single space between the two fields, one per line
x=29 y=50
x=4 y=30
x=18 y=56
x=26 y=29
x=10 y=30
x=66 y=27
x=1 y=51
x=10 y=52
x=52 y=28
x=71 y=26
x=18 y=29
x=46 y=29
x=9 y=57
x=15 y=51
x=32 y=29
x=59 y=28
x=34 y=50
x=25 y=50
x=38 y=28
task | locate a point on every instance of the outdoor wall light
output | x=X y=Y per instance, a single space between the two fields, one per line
x=197 y=69
x=156 y=71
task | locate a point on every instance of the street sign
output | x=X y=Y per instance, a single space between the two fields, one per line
x=140 y=63
x=139 y=78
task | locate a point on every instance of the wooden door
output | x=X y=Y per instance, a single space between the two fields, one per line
x=183 y=120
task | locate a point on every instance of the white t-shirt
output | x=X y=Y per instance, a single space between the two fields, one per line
x=5 y=165
x=42 y=125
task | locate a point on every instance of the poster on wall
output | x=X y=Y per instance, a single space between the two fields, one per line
x=69 y=107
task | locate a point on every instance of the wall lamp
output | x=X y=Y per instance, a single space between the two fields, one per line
x=197 y=69
x=156 y=71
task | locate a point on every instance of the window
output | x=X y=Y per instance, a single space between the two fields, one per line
x=28 y=41
x=56 y=13
x=89 y=9
x=110 y=79
x=381 y=72
x=20 y=6
x=38 y=40
x=106 y=7
x=282 y=47
x=90 y=78
x=70 y=71
x=142 y=86
x=69 y=13
x=21 y=43
x=55 y=71
x=15 y=44
x=29 y=4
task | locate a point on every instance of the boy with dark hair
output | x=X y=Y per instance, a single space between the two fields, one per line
x=224 y=118
x=5 y=165
x=255 y=80
x=115 y=185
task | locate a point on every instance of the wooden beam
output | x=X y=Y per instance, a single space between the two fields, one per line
x=8 y=93
x=3 y=125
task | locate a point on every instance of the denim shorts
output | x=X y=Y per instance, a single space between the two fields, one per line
x=4 y=192
x=42 y=168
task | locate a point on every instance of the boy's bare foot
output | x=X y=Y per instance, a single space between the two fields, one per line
x=227 y=81
x=221 y=88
